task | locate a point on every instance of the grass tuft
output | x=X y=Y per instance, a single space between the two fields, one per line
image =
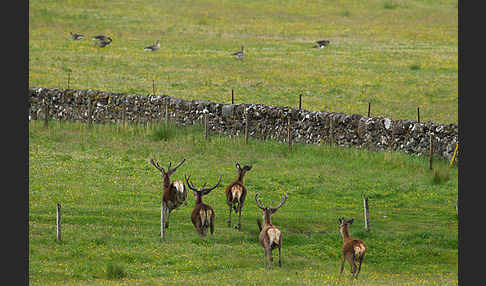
x=115 y=271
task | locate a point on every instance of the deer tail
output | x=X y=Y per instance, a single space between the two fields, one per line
x=259 y=224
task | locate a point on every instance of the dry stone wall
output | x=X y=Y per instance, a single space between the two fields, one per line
x=264 y=122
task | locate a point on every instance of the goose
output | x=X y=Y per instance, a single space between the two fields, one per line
x=153 y=47
x=321 y=44
x=103 y=43
x=239 y=54
x=76 y=36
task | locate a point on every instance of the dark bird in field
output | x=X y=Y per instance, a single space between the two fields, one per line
x=100 y=38
x=103 y=43
x=239 y=54
x=321 y=44
x=76 y=36
x=154 y=47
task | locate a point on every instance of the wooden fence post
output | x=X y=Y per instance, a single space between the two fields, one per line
x=369 y=109
x=300 y=101
x=69 y=78
x=58 y=222
x=418 y=114
x=246 y=126
x=366 y=214
x=206 y=126
x=90 y=111
x=46 y=111
x=232 y=97
x=331 y=135
x=289 y=135
x=431 y=152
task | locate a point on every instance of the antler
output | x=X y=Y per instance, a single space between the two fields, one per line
x=172 y=170
x=156 y=165
x=259 y=204
x=206 y=191
x=282 y=201
x=189 y=184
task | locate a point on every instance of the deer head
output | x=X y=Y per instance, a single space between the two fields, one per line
x=242 y=171
x=344 y=226
x=170 y=170
x=268 y=211
x=198 y=194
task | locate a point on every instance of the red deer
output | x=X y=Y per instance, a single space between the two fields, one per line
x=236 y=194
x=270 y=237
x=174 y=194
x=353 y=249
x=202 y=216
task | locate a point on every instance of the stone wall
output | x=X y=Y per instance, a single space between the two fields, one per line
x=264 y=122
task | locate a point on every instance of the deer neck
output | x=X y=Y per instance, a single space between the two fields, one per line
x=240 y=176
x=344 y=232
x=267 y=220
x=198 y=199
x=166 y=181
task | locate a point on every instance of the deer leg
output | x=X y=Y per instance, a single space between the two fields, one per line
x=264 y=256
x=229 y=218
x=240 y=206
x=162 y=219
x=167 y=220
x=342 y=265
x=270 y=256
x=359 y=267
x=280 y=255
x=211 y=224
x=352 y=265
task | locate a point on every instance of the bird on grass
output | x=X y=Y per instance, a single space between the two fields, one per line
x=154 y=47
x=103 y=43
x=100 y=38
x=239 y=54
x=76 y=36
x=321 y=44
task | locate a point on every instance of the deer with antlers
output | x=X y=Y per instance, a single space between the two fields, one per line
x=173 y=195
x=353 y=249
x=236 y=194
x=270 y=237
x=202 y=215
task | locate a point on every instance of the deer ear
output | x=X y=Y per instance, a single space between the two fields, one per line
x=237 y=166
x=339 y=221
x=248 y=168
x=351 y=221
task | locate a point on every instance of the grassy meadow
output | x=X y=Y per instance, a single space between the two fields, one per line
x=110 y=196
x=396 y=54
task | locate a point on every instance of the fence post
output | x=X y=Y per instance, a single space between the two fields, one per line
x=69 y=77
x=431 y=151
x=58 y=222
x=232 y=97
x=331 y=135
x=90 y=111
x=289 y=135
x=418 y=114
x=300 y=101
x=369 y=109
x=366 y=214
x=246 y=126
x=206 y=126
x=46 y=111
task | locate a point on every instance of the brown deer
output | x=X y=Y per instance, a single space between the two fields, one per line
x=202 y=216
x=173 y=195
x=236 y=194
x=270 y=237
x=353 y=249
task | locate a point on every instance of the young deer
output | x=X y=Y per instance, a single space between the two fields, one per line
x=202 y=216
x=353 y=249
x=270 y=237
x=236 y=194
x=174 y=194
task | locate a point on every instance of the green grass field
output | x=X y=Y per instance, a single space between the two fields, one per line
x=396 y=54
x=110 y=196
